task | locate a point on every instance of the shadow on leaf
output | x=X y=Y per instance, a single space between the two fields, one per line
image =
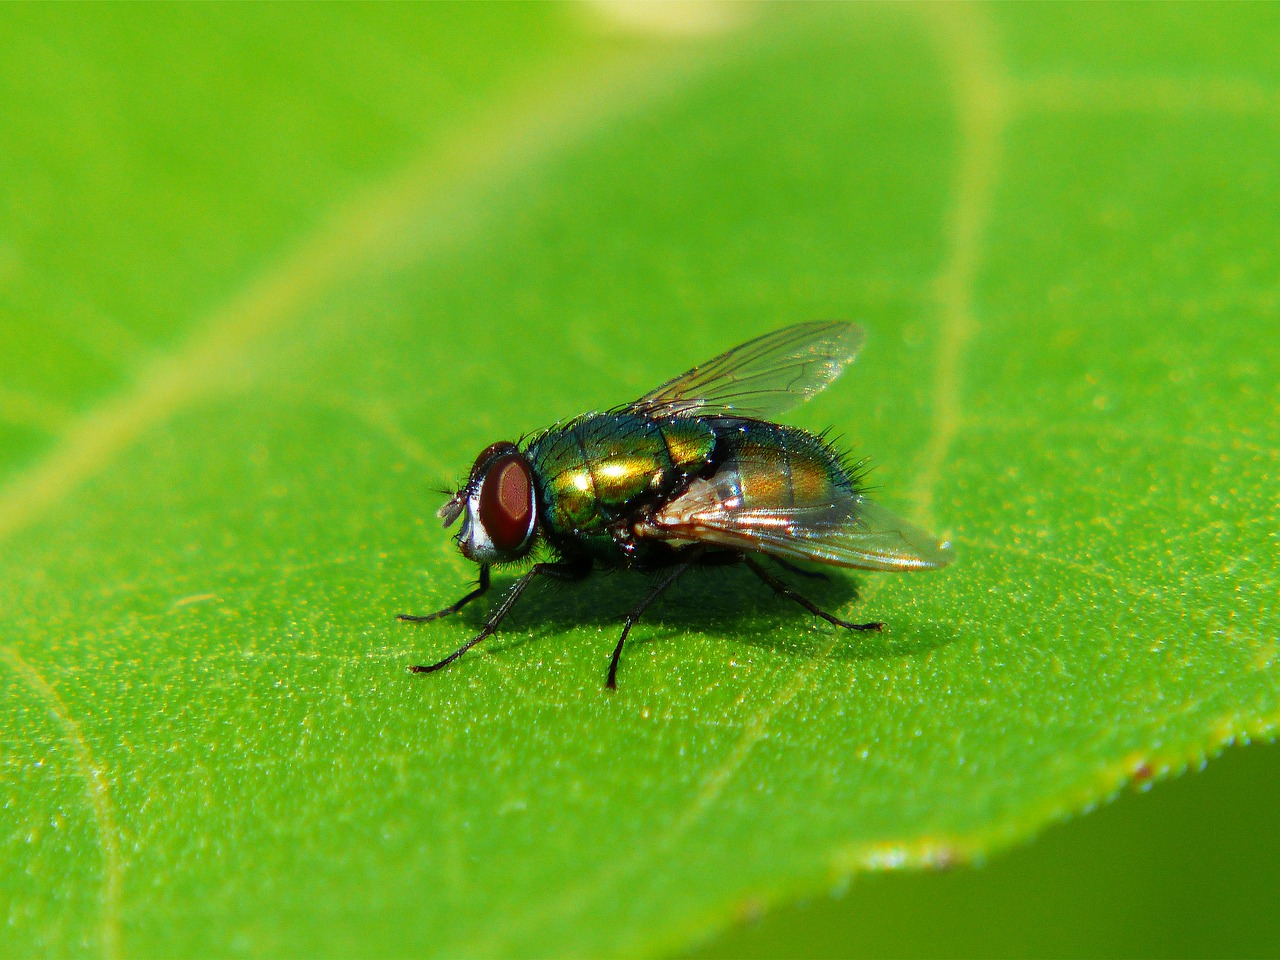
x=726 y=602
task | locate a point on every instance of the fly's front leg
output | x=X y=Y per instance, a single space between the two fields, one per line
x=783 y=590
x=479 y=591
x=571 y=570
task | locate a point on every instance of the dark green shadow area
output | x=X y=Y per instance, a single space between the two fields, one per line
x=1189 y=869
x=710 y=601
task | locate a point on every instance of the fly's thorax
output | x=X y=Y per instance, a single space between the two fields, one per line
x=690 y=442
x=598 y=468
x=498 y=505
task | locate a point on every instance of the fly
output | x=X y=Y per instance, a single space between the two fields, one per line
x=694 y=473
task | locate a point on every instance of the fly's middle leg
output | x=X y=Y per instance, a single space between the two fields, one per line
x=567 y=570
x=675 y=573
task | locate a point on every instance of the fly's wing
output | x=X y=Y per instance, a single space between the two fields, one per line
x=762 y=377
x=847 y=530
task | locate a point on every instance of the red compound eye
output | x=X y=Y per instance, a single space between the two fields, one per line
x=506 y=503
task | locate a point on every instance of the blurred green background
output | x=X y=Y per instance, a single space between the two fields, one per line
x=270 y=276
x=1186 y=870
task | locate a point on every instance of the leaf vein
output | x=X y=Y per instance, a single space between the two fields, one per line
x=96 y=783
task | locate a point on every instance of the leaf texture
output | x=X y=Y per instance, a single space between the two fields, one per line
x=271 y=278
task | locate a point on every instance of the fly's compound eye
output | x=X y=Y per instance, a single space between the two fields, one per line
x=506 y=503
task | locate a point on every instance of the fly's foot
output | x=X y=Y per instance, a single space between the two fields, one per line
x=424 y=618
x=874 y=625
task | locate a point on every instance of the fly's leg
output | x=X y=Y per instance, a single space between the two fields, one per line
x=799 y=571
x=453 y=608
x=783 y=590
x=564 y=571
x=640 y=608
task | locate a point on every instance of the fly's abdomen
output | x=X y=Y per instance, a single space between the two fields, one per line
x=595 y=471
x=769 y=466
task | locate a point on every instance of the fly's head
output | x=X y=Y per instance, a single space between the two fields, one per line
x=498 y=508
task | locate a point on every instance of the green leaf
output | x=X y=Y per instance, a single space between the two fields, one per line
x=272 y=275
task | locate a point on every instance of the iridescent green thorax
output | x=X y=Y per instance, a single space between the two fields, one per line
x=596 y=471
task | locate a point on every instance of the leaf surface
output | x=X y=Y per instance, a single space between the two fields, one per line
x=273 y=279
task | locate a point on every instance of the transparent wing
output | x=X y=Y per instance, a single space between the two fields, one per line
x=851 y=531
x=762 y=377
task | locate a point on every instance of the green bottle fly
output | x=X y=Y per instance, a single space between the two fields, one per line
x=691 y=474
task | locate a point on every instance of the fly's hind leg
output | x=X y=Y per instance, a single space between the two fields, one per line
x=800 y=571
x=569 y=570
x=452 y=608
x=783 y=590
